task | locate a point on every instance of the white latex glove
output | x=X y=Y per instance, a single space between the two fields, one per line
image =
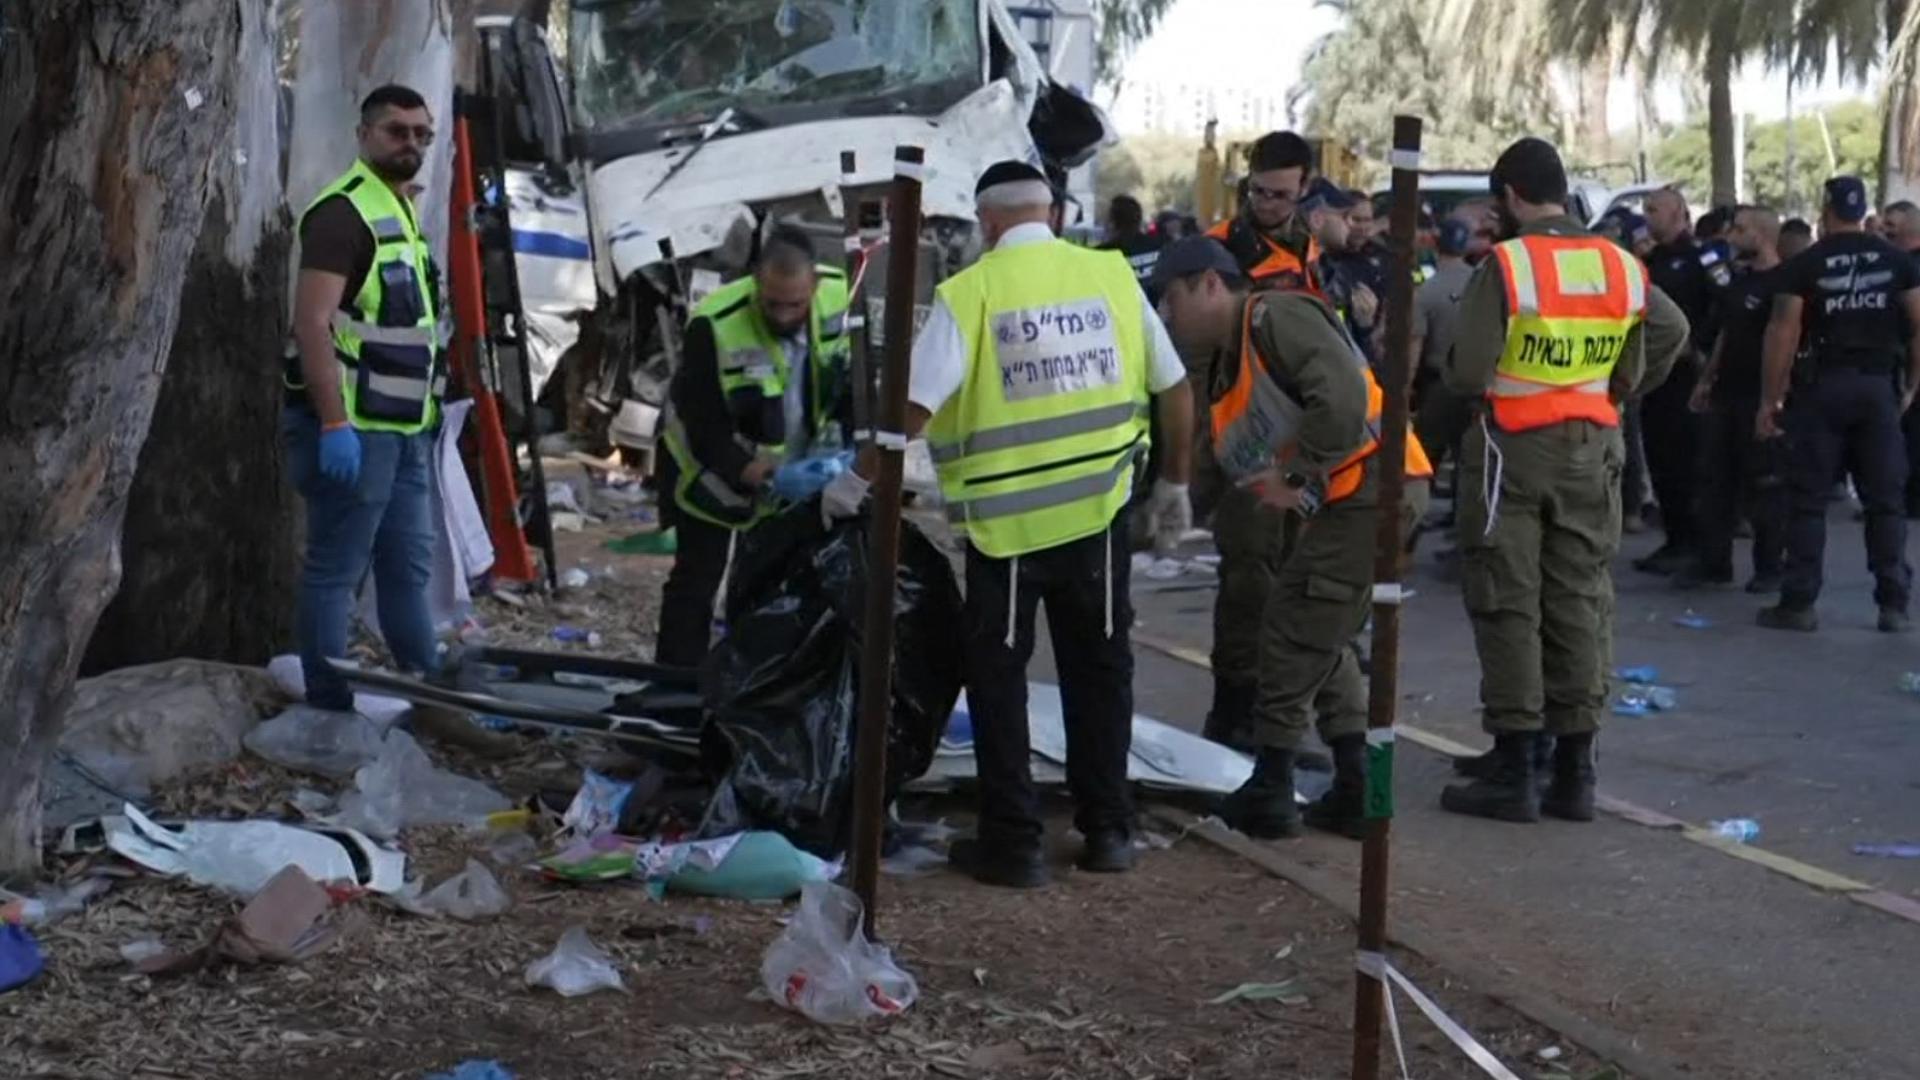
x=1170 y=515
x=842 y=497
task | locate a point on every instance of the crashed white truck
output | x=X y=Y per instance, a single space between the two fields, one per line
x=646 y=157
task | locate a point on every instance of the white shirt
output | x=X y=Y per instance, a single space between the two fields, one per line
x=940 y=352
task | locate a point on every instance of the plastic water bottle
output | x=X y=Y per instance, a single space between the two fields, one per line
x=1739 y=830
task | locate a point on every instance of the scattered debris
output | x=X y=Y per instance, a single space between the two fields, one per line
x=1645 y=674
x=1738 y=830
x=1692 y=620
x=576 y=966
x=282 y=924
x=404 y=788
x=474 y=1070
x=597 y=806
x=472 y=894
x=512 y=849
x=1888 y=851
x=241 y=857
x=1640 y=700
x=1286 y=992
x=759 y=866
x=573 y=635
x=823 y=967
x=141 y=950
x=52 y=903
x=1548 y=1053
x=322 y=741
x=650 y=542
x=575 y=578
x=1910 y=682
x=286 y=674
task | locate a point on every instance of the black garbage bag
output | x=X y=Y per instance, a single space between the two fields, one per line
x=782 y=685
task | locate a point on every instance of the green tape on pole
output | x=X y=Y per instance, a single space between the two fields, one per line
x=1379 y=774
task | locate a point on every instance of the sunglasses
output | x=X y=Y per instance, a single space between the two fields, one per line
x=399 y=132
x=1267 y=194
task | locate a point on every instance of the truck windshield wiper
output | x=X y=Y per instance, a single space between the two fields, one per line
x=730 y=115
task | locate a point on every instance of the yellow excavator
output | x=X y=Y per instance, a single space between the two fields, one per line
x=1216 y=178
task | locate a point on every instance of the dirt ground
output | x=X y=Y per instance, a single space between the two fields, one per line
x=1093 y=977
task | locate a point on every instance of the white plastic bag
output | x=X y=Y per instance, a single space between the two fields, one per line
x=473 y=893
x=404 y=788
x=317 y=740
x=576 y=966
x=823 y=967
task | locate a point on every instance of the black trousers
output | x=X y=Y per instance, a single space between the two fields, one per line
x=1910 y=429
x=1076 y=581
x=686 y=600
x=1853 y=417
x=1740 y=474
x=1667 y=430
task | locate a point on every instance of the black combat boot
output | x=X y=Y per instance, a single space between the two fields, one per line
x=1509 y=794
x=1343 y=809
x=1569 y=794
x=1231 y=718
x=1263 y=807
x=1483 y=766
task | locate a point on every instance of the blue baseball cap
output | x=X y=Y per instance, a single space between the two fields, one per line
x=1193 y=255
x=1847 y=198
x=1454 y=237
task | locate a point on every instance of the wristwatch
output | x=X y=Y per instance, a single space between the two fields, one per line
x=1297 y=480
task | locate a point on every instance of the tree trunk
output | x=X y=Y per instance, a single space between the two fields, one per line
x=1899 y=159
x=346 y=49
x=1720 y=126
x=111 y=113
x=209 y=536
x=1596 y=83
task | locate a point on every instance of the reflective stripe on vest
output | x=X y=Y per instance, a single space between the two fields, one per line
x=1036 y=447
x=1257 y=422
x=1572 y=303
x=389 y=337
x=750 y=358
x=1277 y=265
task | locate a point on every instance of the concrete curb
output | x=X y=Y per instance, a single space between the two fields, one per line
x=1614 y=1046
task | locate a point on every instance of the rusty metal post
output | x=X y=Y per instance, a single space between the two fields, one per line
x=1383 y=689
x=883 y=545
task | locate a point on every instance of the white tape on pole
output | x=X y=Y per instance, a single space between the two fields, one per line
x=890 y=440
x=1405 y=159
x=1380 y=736
x=1374 y=965
x=1391 y=592
x=912 y=170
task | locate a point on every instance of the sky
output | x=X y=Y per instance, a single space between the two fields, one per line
x=1248 y=42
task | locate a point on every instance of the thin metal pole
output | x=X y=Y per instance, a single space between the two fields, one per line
x=883 y=546
x=853 y=213
x=1384 y=687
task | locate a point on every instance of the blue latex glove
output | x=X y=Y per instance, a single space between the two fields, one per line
x=798 y=481
x=340 y=455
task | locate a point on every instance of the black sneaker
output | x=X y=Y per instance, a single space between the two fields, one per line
x=1764 y=582
x=1108 y=851
x=1894 y=621
x=1007 y=867
x=1783 y=617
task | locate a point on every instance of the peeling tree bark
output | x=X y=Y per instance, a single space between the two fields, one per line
x=209 y=537
x=110 y=115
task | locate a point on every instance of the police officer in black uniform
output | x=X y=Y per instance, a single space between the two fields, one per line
x=1667 y=427
x=1127 y=235
x=1856 y=298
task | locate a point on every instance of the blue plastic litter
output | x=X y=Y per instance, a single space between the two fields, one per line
x=1645 y=674
x=959 y=729
x=1888 y=851
x=1692 y=621
x=1639 y=700
x=20 y=959
x=761 y=866
x=475 y=1070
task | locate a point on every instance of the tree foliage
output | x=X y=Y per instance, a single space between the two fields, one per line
x=1156 y=169
x=1123 y=25
x=1383 y=60
x=1682 y=157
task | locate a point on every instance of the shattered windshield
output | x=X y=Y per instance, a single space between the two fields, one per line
x=647 y=62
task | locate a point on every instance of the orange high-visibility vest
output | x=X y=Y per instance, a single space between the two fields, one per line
x=1267 y=263
x=1571 y=302
x=1257 y=422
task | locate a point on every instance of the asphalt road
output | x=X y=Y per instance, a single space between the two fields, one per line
x=1712 y=961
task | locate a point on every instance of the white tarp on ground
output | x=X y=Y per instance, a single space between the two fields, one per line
x=1163 y=756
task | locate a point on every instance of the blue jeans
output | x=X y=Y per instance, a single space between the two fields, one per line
x=383 y=522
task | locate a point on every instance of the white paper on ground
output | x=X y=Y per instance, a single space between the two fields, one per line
x=1163 y=756
x=382 y=710
x=242 y=856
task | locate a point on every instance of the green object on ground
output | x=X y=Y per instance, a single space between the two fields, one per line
x=651 y=542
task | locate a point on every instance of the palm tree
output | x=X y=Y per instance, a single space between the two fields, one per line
x=1806 y=37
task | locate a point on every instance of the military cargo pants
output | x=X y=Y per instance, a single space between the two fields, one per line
x=1248 y=537
x=1539 y=525
x=1321 y=594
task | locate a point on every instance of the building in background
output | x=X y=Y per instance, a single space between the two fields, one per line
x=1185 y=108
